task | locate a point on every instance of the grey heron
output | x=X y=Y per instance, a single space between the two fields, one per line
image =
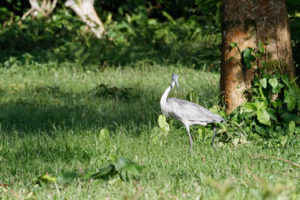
x=187 y=112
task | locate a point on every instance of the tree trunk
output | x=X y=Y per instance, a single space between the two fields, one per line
x=86 y=11
x=246 y=23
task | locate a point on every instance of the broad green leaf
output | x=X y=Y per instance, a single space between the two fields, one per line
x=108 y=18
x=162 y=122
x=127 y=166
x=104 y=172
x=278 y=88
x=67 y=177
x=273 y=82
x=283 y=140
x=260 y=105
x=249 y=107
x=260 y=130
x=263 y=117
x=248 y=57
x=200 y=131
x=272 y=114
x=290 y=100
x=287 y=116
x=104 y=134
x=263 y=82
x=152 y=21
x=46 y=178
x=128 y=18
x=248 y=110
x=292 y=126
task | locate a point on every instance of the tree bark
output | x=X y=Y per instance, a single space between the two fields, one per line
x=86 y=11
x=248 y=22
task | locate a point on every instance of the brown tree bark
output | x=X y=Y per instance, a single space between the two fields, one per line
x=248 y=22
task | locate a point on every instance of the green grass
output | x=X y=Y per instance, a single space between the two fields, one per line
x=51 y=118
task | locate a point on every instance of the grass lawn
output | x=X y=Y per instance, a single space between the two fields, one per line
x=51 y=118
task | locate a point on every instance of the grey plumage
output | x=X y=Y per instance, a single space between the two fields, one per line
x=187 y=112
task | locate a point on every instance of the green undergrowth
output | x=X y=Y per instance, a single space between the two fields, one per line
x=59 y=125
x=133 y=40
x=270 y=115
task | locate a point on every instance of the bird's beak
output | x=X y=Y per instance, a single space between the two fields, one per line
x=177 y=85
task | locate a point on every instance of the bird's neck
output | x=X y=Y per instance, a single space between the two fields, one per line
x=164 y=97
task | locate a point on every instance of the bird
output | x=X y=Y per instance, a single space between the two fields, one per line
x=186 y=112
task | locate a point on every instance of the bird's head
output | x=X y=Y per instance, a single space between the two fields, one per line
x=174 y=81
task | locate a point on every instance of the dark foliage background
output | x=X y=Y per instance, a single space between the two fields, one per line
x=180 y=31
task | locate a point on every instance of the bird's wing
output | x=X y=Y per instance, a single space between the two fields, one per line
x=192 y=112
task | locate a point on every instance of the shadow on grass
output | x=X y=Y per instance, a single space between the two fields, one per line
x=54 y=109
x=45 y=109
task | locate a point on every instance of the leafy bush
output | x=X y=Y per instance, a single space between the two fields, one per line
x=273 y=103
x=132 y=37
x=272 y=111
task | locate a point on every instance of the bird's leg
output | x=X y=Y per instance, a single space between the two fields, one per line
x=214 y=135
x=190 y=137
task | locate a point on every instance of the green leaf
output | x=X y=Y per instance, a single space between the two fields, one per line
x=260 y=130
x=104 y=134
x=169 y=17
x=292 y=126
x=290 y=100
x=67 y=177
x=248 y=57
x=283 y=140
x=162 y=122
x=46 y=178
x=263 y=82
x=285 y=79
x=229 y=60
x=272 y=114
x=200 y=131
x=249 y=107
x=104 y=172
x=287 y=116
x=233 y=44
x=273 y=82
x=261 y=48
x=263 y=117
x=248 y=110
x=127 y=166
